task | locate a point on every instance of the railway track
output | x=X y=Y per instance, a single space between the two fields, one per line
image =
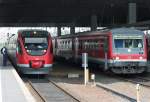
x=145 y=82
x=38 y=96
x=117 y=93
x=111 y=81
x=48 y=91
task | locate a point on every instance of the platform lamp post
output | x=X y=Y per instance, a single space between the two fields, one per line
x=9 y=37
x=85 y=65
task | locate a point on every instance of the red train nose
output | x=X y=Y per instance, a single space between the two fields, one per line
x=36 y=64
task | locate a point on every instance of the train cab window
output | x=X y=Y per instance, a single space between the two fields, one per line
x=36 y=45
x=118 y=43
x=137 y=43
x=128 y=43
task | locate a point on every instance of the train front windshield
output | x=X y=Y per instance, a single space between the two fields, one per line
x=36 y=45
x=128 y=45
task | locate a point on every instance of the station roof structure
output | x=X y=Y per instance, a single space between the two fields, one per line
x=65 y=12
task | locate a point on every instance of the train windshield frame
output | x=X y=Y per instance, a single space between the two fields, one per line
x=35 y=45
x=128 y=44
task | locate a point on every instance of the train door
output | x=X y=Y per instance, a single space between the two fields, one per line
x=76 y=47
x=106 y=53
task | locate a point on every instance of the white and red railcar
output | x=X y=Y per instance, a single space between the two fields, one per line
x=34 y=52
x=121 y=50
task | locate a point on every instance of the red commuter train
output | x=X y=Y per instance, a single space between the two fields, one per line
x=34 y=54
x=148 y=52
x=121 y=50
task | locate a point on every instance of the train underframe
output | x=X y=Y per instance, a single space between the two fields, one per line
x=128 y=67
x=29 y=70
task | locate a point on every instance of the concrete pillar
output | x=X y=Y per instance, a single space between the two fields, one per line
x=132 y=12
x=93 y=22
x=72 y=30
x=58 y=31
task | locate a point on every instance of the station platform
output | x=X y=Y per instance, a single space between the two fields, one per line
x=12 y=88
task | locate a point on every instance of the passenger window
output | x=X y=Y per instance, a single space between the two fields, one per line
x=105 y=45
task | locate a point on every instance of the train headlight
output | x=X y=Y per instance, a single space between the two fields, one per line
x=117 y=58
x=141 y=57
x=28 y=50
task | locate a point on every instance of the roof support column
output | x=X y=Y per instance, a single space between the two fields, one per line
x=132 y=13
x=72 y=27
x=58 y=30
x=93 y=22
x=72 y=30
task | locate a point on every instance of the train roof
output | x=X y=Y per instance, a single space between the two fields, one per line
x=33 y=32
x=22 y=30
x=83 y=34
x=126 y=31
x=114 y=31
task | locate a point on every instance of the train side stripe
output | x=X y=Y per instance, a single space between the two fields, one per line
x=27 y=65
x=48 y=65
x=23 y=65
